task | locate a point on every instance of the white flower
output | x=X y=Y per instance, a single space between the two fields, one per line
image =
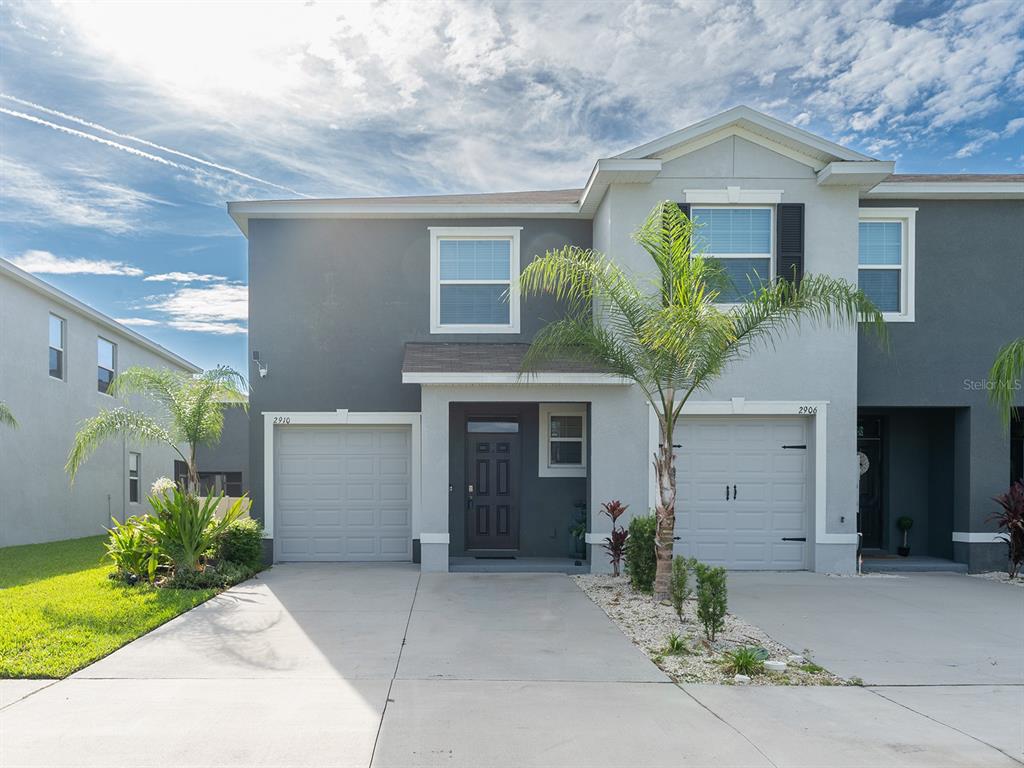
x=161 y=486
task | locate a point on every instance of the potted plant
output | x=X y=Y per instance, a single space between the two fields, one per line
x=615 y=544
x=904 y=523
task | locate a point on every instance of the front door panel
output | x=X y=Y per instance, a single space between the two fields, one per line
x=492 y=491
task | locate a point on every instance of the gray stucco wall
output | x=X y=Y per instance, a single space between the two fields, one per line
x=969 y=302
x=331 y=303
x=231 y=454
x=37 y=501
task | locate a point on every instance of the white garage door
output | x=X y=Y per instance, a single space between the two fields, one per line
x=742 y=493
x=342 y=493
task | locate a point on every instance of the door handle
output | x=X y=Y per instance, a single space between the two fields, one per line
x=727 y=493
x=734 y=496
x=794 y=538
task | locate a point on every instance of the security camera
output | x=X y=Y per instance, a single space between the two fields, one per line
x=260 y=367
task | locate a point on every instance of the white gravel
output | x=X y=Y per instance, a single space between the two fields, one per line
x=1000 y=576
x=648 y=624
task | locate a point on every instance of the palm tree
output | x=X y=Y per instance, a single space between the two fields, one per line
x=1005 y=376
x=6 y=417
x=194 y=406
x=669 y=336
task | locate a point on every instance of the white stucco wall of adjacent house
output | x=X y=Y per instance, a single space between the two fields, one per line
x=37 y=501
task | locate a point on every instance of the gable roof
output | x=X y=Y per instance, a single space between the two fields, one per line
x=66 y=300
x=744 y=120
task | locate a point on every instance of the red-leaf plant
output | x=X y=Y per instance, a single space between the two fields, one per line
x=615 y=544
x=1011 y=523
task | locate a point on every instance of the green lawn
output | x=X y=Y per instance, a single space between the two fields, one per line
x=60 y=612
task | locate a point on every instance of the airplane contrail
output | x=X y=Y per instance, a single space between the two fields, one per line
x=136 y=139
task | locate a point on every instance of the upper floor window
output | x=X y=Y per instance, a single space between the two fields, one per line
x=563 y=440
x=57 y=338
x=473 y=272
x=741 y=240
x=106 y=363
x=885 y=260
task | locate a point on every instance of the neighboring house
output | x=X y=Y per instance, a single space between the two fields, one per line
x=57 y=357
x=391 y=423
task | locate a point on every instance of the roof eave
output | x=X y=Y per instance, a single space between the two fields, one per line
x=948 y=190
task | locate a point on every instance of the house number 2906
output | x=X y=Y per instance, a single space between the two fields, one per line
x=282 y=419
x=809 y=409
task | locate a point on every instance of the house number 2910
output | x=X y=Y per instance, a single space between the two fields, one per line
x=282 y=419
x=809 y=409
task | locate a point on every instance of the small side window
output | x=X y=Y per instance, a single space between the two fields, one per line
x=563 y=440
x=134 y=473
x=57 y=340
x=106 y=364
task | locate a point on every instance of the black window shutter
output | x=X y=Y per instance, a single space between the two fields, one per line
x=685 y=208
x=789 y=239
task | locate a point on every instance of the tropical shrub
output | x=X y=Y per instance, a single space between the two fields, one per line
x=712 y=599
x=746 y=660
x=184 y=526
x=217 y=576
x=615 y=543
x=1011 y=524
x=242 y=543
x=678 y=588
x=133 y=553
x=640 y=556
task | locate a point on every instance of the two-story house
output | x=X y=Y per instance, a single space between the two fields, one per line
x=57 y=359
x=389 y=421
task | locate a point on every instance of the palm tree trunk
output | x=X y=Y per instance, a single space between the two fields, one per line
x=193 y=471
x=665 y=511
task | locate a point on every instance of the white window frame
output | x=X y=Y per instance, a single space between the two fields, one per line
x=722 y=257
x=544 y=466
x=437 y=234
x=63 y=347
x=138 y=475
x=113 y=361
x=907 y=217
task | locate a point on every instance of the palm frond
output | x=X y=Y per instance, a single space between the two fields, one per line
x=1005 y=377
x=119 y=422
x=7 y=417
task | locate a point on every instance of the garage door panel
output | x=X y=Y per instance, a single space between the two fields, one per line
x=771 y=500
x=343 y=493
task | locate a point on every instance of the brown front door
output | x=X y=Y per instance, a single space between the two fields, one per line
x=492 y=490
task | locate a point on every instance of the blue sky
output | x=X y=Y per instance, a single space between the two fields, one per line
x=124 y=128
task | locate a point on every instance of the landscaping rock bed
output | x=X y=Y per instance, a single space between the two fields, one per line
x=1000 y=576
x=649 y=624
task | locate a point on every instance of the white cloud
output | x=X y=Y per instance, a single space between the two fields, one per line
x=219 y=309
x=974 y=146
x=142 y=322
x=1013 y=127
x=77 y=199
x=183 y=277
x=46 y=263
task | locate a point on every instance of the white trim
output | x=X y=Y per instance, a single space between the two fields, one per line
x=975 y=537
x=435 y=538
x=860 y=174
x=460 y=377
x=949 y=190
x=614 y=170
x=545 y=412
x=733 y=196
x=907 y=217
x=816 y=411
x=65 y=300
x=512 y=234
x=335 y=418
x=596 y=538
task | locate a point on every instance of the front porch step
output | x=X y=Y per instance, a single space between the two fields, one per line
x=912 y=564
x=517 y=565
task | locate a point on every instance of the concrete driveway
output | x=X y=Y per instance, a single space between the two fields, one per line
x=330 y=665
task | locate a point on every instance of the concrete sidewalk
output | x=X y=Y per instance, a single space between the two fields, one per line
x=332 y=665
